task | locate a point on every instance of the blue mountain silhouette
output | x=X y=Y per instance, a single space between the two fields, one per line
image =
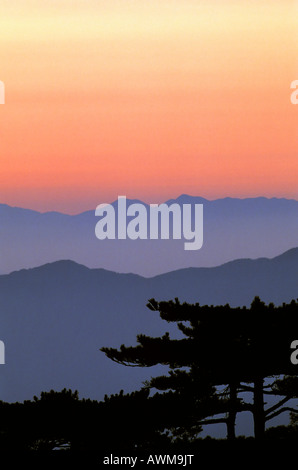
x=54 y=318
x=233 y=229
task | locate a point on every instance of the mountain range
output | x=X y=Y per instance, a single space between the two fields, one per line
x=233 y=229
x=56 y=317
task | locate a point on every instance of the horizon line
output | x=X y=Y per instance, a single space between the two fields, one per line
x=171 y=200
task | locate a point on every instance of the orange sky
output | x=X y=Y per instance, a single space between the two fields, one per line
x=146 y=99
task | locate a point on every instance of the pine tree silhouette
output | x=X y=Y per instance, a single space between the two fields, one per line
x=225 y=351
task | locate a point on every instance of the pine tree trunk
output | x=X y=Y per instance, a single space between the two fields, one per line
x=258 y=409
x=231 y=420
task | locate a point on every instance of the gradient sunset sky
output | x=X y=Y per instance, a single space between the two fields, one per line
x=148 y=99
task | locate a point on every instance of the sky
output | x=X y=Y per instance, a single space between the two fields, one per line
x=148 y=99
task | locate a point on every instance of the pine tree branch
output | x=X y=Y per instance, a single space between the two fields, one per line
x=212 y=421
x=245 y=388
x=282 y=410
x=277 y=405
x=246 y=407
x=129 y=364
x=267 y=386
x=222 y=394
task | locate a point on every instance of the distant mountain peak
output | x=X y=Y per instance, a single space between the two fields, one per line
x=67 y=265
x=181 y=198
